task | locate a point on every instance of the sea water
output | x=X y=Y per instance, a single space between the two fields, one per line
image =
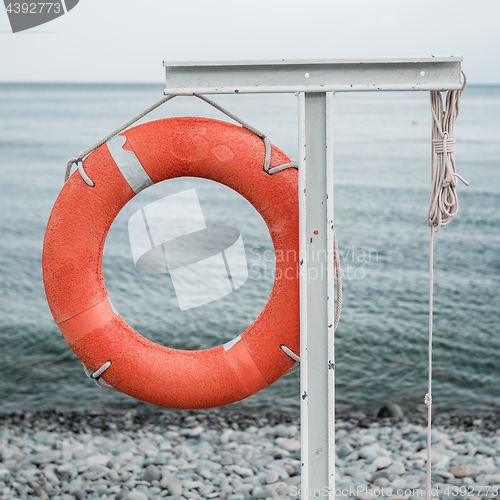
x=382 y=180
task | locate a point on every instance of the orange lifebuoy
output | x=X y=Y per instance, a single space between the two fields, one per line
x=74 y=283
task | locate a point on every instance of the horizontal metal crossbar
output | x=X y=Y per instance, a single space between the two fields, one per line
x=334 y=75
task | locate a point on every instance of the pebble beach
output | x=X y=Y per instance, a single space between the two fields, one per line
x=237 y=455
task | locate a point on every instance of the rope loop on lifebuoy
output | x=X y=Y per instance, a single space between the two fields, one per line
x=96 y=376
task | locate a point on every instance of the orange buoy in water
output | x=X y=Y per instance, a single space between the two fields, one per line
x=72 y=263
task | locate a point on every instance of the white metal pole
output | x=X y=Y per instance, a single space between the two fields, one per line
x=316 y=380
x=330 y=232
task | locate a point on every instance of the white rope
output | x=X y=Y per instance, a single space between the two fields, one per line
x=443 y=204
x=339 y=282
x=83 y=154
x=296 y=358
x=244 y=124
x=443 y=207
x=338 y=308
x=267 y=143
x=428 y=396
x=85 y=177
x=96 y=376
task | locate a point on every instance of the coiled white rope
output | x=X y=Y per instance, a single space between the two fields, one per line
x=443 y=206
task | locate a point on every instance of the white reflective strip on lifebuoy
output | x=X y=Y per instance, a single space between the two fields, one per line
x=113 y=308
x=230 y=344
x=128 y=164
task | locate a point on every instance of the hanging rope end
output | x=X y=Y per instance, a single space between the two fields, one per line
x=461 y=178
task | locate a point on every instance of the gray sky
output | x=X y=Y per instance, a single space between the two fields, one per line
x=127 y=40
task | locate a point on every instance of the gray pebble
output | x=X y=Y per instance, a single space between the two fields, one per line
x=382 y=482
x=382 y=462
x=259 y=493
x=209 y=464
x=135 y=495
x=80 y=494
x=48 y=438
x=97 y=459
x=226 y=460
x=436 y=436
x=206 y=489
x=469 y=437
x=370 y=468
x=206 y=474
x=148 y=449
x=460 y=471
x=272 y=477
x=398 y=483
x=281 y=430
x=486 y=450
x=463 y=459
x=191 y=485
x=194 y=432
x=397 y=468
x=352 y=457
x=370 y=459
x=379 y=474
x=472 y=450
x=443 y=473
x=343 y=450
x=290 y=445
x=366 y=451
x=152 y=473
x=7 y=454
x=363 y=475
x=172 y=484
x=240 y=437
x=241 y=471
x=367 y=439
x=351 y=470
